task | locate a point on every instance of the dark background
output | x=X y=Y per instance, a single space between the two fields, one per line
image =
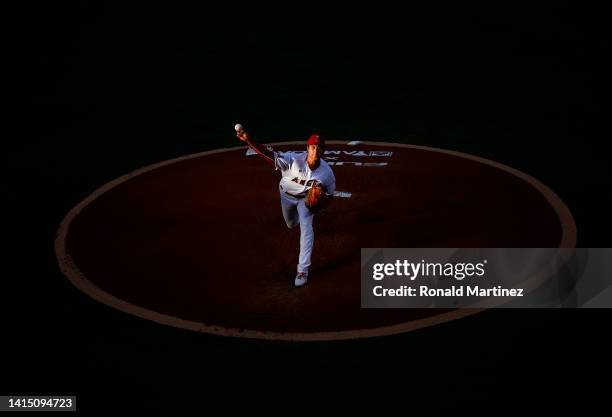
x=103 y=90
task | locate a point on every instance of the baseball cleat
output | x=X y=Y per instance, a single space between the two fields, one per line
x=300 y=279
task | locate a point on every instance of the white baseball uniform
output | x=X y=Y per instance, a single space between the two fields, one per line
x=297 y=179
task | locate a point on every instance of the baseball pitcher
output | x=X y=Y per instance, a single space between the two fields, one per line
x=307 y=185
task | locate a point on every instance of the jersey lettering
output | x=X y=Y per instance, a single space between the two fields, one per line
x=303 y=182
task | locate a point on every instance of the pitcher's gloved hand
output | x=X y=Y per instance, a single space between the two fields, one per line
x=315 y=199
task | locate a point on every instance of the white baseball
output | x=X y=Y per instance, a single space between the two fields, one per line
x=238 y=127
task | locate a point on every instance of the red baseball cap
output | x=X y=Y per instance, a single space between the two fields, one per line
x=316 y=139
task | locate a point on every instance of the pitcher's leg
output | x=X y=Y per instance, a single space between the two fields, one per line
x=306 y=237
x=289 y=209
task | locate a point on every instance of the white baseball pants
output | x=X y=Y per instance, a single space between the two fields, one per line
x=295 y=212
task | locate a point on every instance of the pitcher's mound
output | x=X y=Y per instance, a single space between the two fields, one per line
x=200 y=243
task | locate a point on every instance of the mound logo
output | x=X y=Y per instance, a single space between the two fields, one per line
x=358 y=164
x=334 y=154
x=336 y=157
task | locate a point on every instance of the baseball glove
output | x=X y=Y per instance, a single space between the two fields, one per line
x=315 y=197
